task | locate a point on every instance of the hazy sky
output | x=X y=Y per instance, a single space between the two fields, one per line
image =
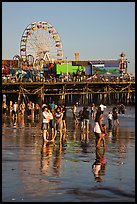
x=97 y=30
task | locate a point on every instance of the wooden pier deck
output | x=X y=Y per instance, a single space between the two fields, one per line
x=125 y=89
x=65 y=88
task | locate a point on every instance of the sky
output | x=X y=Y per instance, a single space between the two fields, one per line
x=97 y=30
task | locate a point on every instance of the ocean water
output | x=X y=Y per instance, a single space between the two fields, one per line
x=56 y=172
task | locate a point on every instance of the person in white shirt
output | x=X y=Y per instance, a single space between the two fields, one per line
x=15 y=109
x=45 y=123
x=103 y=107
x=14 y=112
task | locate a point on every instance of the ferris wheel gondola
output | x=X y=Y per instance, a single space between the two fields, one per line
x=40 y=40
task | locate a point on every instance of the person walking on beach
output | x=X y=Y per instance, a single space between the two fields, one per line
x=102 y=136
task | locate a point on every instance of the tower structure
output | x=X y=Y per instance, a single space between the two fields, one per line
x=76 y=56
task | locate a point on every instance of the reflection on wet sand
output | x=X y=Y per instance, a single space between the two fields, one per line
x=60 y=170
x=51 y=156
x=99 y=165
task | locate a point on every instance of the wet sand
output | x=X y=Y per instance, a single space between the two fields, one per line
x=33 y=172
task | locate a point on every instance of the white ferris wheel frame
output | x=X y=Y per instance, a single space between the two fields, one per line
x=41 y=41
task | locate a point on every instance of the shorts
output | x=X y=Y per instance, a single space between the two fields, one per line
x=58 y=125
x=45 y=126
x=86 y=121
x=97 y=128
x=14 y=112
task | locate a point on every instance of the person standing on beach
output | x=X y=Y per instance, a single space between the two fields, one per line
x=115 y=117
x=37 y=110
x=15 y=112
x=22 y=108
x=45 y=123
x=98 y=126
x=58 y=125
x=109 y=120
x=29 y=108
x=11 y=108
x=51 y=123
x=80 y=119
x=93 y=111
x=15 y=109
x=103 y=107
x=52 y=105
x=86 y=118
x=64 y=110
x=75 y=116
x=4 y=108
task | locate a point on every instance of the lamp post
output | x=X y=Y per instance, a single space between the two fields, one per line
x=67 y=68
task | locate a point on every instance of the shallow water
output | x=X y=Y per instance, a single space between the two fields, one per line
x=63 y=173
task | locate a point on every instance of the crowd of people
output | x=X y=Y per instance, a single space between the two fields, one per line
x=34 y=75
x=54 y=118
x=96 y=113
x=54 y=127
x=53 y=121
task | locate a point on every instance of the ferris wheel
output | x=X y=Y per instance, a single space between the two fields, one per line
x=41 y=41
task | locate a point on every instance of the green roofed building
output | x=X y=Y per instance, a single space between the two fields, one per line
x=68 y=68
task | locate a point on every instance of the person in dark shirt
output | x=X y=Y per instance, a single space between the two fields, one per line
x=115 y=117
x=86 y=118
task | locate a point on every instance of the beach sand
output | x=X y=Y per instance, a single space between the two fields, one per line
x=33 y=172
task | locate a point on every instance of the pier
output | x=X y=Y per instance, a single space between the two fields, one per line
x=71 y=92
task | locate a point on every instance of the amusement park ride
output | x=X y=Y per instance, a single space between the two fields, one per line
x=40 y=43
